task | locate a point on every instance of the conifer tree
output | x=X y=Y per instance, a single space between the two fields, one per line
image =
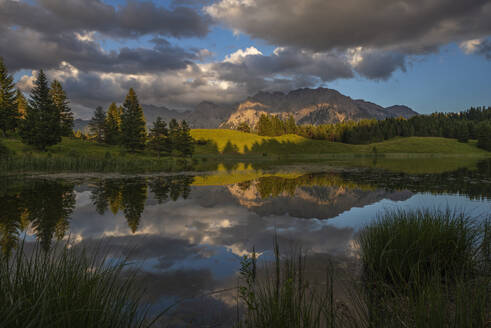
x=174 y=133
x=265 y=127
x=133 y=123
x=159 y=138
x=113 y=125
x=291 y=125
x=186 y=142
x=97 y=124
x=277 y=126
x=21 y=104
x=244 y=127
x=41 y=126
x=61 y=102
x=8 y=109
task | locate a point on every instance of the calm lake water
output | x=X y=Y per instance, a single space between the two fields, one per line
x=188 y=233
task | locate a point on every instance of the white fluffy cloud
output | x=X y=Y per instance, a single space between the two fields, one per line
x=240 y=55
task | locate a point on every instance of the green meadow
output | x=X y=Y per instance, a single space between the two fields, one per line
x=214 y=146
x=230 y=141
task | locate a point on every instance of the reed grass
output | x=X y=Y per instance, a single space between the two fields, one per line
x=66 y=287
x=404 y=247
x=283 y=296
x=426 y=268
x=26 y=163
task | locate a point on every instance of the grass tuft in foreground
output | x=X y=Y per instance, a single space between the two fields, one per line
x=404 y=247
x=66 y=287
x=426 y=268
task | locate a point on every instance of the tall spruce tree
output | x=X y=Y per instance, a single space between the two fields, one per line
x=113 y=125
x=291 y=125
x=159 y=138
x=61 y=102
x=8 y=109
x=133 y=123
x=97 y=124
x=21 y=103
x=41 y=126
x=265 y=126
x=186 y=142
x=174 y=133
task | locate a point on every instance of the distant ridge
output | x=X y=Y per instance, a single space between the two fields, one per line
x=307 y=106
x=312 y=106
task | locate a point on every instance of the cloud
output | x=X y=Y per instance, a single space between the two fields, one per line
x=133 y=19
x=477 y=46
x=285 y=69
x=376 y=65
x=240 y=74
x=240 y=55
x=78 y=49
x=98 y=50
x=416 y=26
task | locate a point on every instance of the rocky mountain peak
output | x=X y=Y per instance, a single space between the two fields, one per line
x=307 y=106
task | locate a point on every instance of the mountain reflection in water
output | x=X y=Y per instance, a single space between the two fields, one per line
x=188 y=233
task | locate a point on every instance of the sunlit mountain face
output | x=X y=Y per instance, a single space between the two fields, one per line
x=188 y=233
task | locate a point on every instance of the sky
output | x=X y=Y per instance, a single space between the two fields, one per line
x=431 y=55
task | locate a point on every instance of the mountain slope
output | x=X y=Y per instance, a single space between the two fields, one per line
x=307 y=106
x=311 y=106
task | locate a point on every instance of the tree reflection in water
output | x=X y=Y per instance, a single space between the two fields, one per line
x=45 y=205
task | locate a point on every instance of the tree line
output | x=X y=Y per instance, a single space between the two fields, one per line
x=474 y=123
x=125 y=125
x=45 y=117
x=42 y=119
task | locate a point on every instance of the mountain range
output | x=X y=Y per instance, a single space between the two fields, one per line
x=307 y=106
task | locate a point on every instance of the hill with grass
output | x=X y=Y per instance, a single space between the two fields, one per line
x=212 y=141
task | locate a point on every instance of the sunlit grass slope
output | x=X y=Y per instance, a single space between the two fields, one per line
x=229 y=141
x=243 y=172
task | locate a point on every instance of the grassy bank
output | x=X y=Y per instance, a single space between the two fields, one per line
x=76 y=155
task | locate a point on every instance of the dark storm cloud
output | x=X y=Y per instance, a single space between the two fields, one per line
x=133 y=19
x=48 y=32
x=414 y=26
x=26 y=49
x=380 y=65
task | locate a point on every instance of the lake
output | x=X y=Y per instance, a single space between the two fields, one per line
x=188 y=233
